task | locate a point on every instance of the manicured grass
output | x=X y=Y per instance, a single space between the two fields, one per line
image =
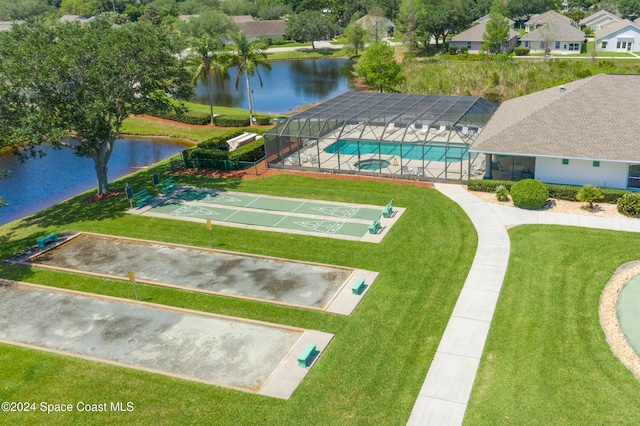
x=307 y=53
x=546 y=360
x=370 y=373
x=144 y=126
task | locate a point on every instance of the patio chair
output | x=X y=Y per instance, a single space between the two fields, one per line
x=406 y=170
x=465 y=130
x=503 y=171
x=390 y=128
x=441 y=130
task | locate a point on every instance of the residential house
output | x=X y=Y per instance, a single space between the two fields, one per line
x=583 y=132
x=76 y=18
x=485 y=18
x=623 y=36
x=472 y=39
x=378 y=26
x=537 y=21
x=7 y=25
x=260 y=29
x=599 y=20
x=560 y=38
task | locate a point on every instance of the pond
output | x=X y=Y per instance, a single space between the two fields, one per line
x=39 y=183
x=288 y=85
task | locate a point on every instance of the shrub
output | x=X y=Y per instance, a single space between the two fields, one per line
x=569 y=193
x=453 y=50
x=521 y=51
x=464 y=50
x=231 y=121
x=216 y=141
x=252 y=152
x=629 y=204
x=198 y=119
x=589 y=194
x=529 y=194
x=488 y=185
x=502 y=193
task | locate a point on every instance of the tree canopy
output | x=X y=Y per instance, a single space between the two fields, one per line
x=310 y=25
x=81 y=81
x=496 y=34
x=378 y=67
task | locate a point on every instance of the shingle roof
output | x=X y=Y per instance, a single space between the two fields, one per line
x=475 y=33
x=485 y=18
x=273 y=28
x=617 y=26
x=558 y=31
x=601 y=14
x=548 y=16
x=594 y=118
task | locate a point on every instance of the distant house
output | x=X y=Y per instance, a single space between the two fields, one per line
x=76 y=18
x=472 y=39
x=485 y=18
x=7 y=25
x=623 y=36
x=599 y=20
x=561 y=37
x=260 y=29
x=583 y=132
x=537 y=21
x=378 y=26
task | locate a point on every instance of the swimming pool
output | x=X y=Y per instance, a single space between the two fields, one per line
x=414 y=151
x=372 y=164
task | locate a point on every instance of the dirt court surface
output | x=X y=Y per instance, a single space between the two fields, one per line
x=195 y=346
x=198 y=269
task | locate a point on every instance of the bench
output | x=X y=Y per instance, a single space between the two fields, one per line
x=142 y=197
x=358 y=286
x=168 y=185
x=47 y=238
x=306 y=353
x=387 y=211
x=375 y=226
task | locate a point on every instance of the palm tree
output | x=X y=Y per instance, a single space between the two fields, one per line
x=209 y=61
x=248 y=56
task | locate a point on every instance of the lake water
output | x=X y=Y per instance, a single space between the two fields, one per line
x=288 y=85
x=43 y=182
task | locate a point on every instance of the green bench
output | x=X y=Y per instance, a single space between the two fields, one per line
x=306 y=353
x=387 y=211
x=375 y=226
x=142 y=197
x=168 y=185
x=42 y=242
x=358 y=286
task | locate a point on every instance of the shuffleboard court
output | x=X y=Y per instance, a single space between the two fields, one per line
x=280 y=204
x=272 y=220
x=247 y=355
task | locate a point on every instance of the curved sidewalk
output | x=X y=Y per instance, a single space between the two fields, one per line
x=445 y=392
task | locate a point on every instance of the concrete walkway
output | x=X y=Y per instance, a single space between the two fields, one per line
x=445 y=392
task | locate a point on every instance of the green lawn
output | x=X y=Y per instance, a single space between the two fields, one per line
x=371 y=372
x=546 y=360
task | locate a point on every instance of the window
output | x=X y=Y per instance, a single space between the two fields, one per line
x=558 y=45
x=634 y=176
x=526 y=44
x=574 y=46
x=618 y=45
x=565 y=161
x=468 y=45
x=542 y=45
x=604 y=44
x=596 y=164
x=624 y=45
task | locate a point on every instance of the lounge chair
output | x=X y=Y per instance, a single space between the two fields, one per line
x=390 y=128
x=406 y=170
x=441 y=130
x=465 y=130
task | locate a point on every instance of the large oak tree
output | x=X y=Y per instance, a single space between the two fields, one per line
x=71 y=86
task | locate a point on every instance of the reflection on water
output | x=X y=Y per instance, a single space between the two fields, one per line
x=288 y=85
x=43 y=182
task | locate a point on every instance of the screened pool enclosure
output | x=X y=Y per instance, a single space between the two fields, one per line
x=411 y=136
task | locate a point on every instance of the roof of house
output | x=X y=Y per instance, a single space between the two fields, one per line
x=475 y=33
x=548 y=16
x=594 y=118
x=7 y=25
x=557 y=31
x=599 y=16
x=265 y=28
x=485 y=18
x=615 y=27
x=368 y=21
x=74 y=18
x=242 y=18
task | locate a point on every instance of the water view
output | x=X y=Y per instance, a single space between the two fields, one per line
x=43 y=182
x=288 y=85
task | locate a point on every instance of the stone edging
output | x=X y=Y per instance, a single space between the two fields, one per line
x=609 y=318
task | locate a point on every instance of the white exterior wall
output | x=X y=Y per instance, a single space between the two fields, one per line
x=582 y=172
x=536 y=47
x=628 y=34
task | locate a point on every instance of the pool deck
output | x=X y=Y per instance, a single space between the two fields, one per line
x=241 y=354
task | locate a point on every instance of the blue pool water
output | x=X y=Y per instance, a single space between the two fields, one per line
x=452 y=153
x=372 y=164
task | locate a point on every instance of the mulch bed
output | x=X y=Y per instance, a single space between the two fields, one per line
x=101 y=197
